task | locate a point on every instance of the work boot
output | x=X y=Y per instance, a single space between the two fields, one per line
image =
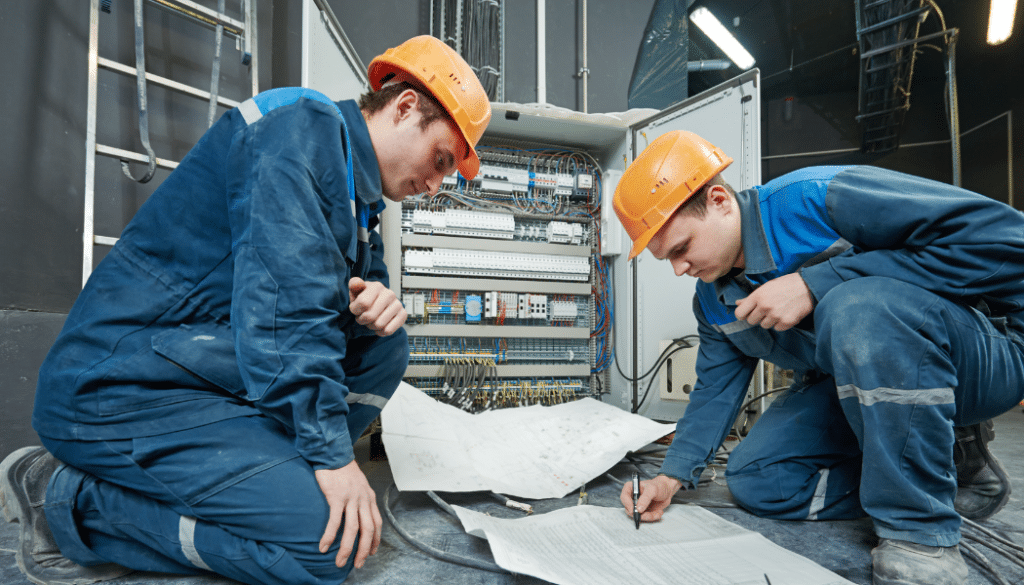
x=898 y=562
x=982 y=484
x=24 y=476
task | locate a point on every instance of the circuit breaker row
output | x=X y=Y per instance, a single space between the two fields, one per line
x=455 y=262
x=496 y=306
x=485 y=224
x=508 y=179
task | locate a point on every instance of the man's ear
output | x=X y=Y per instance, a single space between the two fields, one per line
x=405 y=104
x=718 y=195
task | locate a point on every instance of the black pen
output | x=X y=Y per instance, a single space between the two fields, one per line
x=636 y=496
x=769 y=581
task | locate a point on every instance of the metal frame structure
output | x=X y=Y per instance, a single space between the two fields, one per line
x=888 y=36
x=244 y=32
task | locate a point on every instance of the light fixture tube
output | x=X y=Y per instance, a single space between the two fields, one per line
x=1000 y=20
x=718 y=34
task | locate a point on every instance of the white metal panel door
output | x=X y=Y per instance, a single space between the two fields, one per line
x=329 y=63
x=727 y=115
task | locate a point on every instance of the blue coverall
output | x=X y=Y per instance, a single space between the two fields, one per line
x=211 y=364
x=917 y=328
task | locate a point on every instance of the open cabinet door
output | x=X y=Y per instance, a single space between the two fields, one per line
x=329 y=63
x=657 y=307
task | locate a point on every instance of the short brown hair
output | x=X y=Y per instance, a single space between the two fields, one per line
x=375 y=101
x=697 y=204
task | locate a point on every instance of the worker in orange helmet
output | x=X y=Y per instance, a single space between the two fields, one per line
x=899 y=304
x=199 y=409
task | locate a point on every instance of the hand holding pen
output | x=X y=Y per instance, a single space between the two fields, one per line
x=651 y=499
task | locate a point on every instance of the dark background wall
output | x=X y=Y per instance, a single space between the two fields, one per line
x=43 y=115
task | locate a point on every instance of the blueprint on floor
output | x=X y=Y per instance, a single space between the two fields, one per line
x=530 y=452
x=592 y=545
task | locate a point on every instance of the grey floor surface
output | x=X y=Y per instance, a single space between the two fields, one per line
x=843 y=547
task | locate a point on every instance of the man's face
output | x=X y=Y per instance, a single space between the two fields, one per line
x=706 y=248
x=413 y=159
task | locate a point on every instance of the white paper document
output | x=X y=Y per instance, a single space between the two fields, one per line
x=592 y=545
x=531 y=452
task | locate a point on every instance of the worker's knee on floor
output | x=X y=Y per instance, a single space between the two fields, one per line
x=769 y=490
x=749 y=488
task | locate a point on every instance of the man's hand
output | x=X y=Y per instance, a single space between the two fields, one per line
x=778 y=304
x=375 y=306
x=349 y=494
x=655 y=495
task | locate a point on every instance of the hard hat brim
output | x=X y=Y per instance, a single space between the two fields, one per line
x=470 y=165
x=645 y=238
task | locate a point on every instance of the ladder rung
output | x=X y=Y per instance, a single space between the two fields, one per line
x=878 y=113
x=207 y=15
x=892 y=21
x=134 y=156
x=871 y=5
x=163 y=81
x=104 y=240
x=885 y=66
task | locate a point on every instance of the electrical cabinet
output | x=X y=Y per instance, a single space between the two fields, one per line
x=517 y=282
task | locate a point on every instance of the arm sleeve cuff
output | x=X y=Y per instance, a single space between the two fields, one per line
x=820 y=279
x=332 y=455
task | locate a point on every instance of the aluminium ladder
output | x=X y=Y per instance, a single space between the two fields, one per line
x=245 y=35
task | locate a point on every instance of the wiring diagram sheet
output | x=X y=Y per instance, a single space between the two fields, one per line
x=530 y=452
x=596 y=545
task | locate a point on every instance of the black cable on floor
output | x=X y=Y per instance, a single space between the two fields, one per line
x=438 y=554
x=979 y=559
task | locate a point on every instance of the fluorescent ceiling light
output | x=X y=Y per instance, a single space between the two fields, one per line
x=1000 y=20
x=732 y=48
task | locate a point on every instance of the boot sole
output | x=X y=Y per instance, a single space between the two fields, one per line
x=17 y=508
x=16 y=505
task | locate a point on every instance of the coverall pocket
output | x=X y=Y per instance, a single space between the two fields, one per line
x=205 y=351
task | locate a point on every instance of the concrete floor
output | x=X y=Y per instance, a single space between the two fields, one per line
x=843 y=547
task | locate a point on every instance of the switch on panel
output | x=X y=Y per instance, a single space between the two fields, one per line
x=678 y=373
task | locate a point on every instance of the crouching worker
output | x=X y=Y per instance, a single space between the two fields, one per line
x=898 y=302
x=199 y=408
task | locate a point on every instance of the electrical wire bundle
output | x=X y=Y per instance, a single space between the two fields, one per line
x=998 y=543
x=604 y=315
x=464 y=380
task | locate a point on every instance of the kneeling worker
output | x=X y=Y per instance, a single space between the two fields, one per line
x=899 y=304
x=203 y=398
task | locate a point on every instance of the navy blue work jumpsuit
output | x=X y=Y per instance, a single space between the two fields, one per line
x=917 y=328
x=211 y=364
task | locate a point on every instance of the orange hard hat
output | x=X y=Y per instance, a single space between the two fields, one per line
x=427 y=62
x=667 y=173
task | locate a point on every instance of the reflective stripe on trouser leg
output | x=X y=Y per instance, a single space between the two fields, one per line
x=796 y=466
x=818 y=499
x=187 y=537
